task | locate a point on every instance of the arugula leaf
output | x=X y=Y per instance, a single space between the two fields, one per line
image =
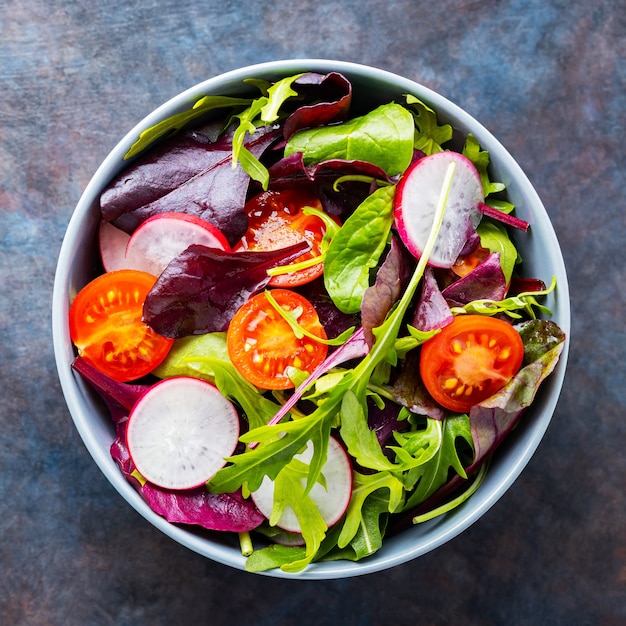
x=429 y=135
x=175 y=122
x=383 y=137
x=388 y=492
x=525 y=301
x=429 y=476
x=290 y=491
x=356 y=248
x=277 y=94
x=272 y=454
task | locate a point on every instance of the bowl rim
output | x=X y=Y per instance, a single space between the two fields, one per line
x=436 y=532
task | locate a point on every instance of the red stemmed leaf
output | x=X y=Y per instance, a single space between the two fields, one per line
x=200 y=290
x=216 y=193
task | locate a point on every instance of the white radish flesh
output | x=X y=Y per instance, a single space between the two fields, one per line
x=416 y=202
x=162 y=237
x=331 y=501
x=112 y=242
x=180 y=432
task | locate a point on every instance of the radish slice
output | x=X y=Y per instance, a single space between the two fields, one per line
x=416 y=203
x=331 y=501
x=162 y=237
x=112 y=242
x=180 y=432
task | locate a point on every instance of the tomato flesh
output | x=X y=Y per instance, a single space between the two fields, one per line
x=107 y=329
x=276 y=220
x=263 y=346
x=470 y=360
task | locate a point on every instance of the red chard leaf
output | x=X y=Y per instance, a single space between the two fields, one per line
x=432 y=311
x=391 y=280
x=334 y=94
x=160 y=171
x=485 y=282
x=217 y=193
x=200 y=290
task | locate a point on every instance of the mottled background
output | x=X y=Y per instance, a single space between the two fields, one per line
x=547 y=77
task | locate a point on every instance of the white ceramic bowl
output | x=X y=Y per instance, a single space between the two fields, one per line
x=542 y=257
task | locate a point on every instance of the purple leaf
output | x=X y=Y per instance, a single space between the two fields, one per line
x=390 y=281
x=384 y=421
x=485 y=282
x=432 y=311
x=200 y=290
x=160 y=171
x=355 y=347
x=333 y=93
x=195 y=506
x=119 y=397
x=409 y=390
x=224 y=512
x=292 y=169
x=216 y=194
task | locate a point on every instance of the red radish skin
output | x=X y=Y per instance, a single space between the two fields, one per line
x=332 y=501
x=416 y=201
x=112 y=242
x=162 y=237
x=180 y=432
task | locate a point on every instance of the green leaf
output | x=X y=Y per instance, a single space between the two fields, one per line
x=361 y=442
x=289 y=491
x=480 y=158
x=356 y=248
x=429 y=135
x=386 y=490
x=277 y=94
x=495 y=238
x=181 y=359
x=455 y=502
x=247 y=125
x=383 y=137
x=431 y=475
x=273 y=556
x=419 y=446
x=178 y=121
x=526 y=302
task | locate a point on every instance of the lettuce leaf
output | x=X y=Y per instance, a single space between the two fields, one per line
x=383 y=137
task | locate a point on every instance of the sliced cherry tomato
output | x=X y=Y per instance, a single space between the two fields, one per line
x=263 y=346
x=470 y=360
x=107 y=329
x=276 y=220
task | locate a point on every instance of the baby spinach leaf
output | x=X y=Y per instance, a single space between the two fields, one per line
x=383 y=137
x=273 y=556
x=356 y=249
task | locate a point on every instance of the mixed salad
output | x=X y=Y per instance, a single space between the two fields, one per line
x=311 y=326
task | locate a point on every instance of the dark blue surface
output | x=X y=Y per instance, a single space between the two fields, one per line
x=548 y=78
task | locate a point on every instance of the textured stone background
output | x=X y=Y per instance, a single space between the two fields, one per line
x=547 y=77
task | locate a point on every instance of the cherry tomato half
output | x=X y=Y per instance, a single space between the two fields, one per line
x=262 y=345
x=107 y=329
x=470 y=360
x=276 y=220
